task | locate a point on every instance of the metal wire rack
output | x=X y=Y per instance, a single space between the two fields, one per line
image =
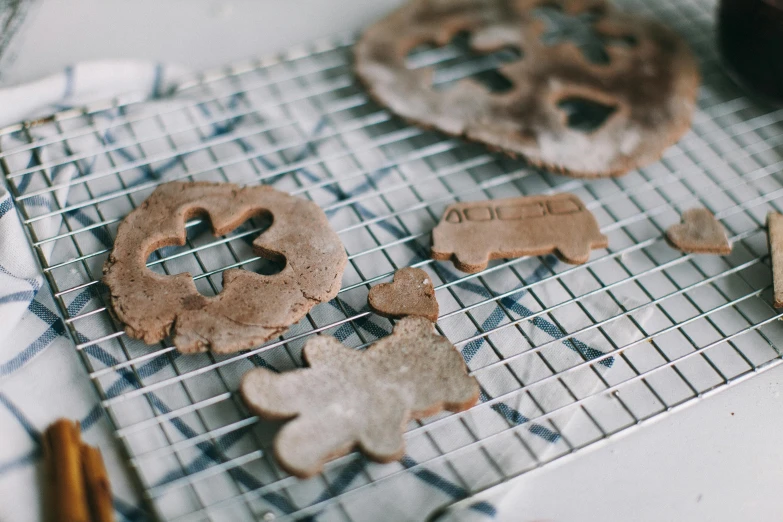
x=566 y=355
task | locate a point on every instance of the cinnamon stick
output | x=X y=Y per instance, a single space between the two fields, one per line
x=97 y=484
x=62 y=449
x=79 y=485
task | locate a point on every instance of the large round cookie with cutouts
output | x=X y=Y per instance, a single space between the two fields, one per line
x=252 y=308
x=572 y=85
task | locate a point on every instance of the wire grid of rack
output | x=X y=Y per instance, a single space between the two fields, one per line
x=566 y=355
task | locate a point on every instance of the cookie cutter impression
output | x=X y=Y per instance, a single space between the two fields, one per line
x=645 y=89
x=252 y=308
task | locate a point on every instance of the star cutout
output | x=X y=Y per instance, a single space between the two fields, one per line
x=579 y=29
x=458 y=60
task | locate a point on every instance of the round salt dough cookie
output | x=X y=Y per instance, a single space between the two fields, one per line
x=252 y=308
x=648 y=84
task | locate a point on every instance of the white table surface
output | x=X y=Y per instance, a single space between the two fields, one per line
x=717 y=460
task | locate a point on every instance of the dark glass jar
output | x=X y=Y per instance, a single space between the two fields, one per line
x=750 y=39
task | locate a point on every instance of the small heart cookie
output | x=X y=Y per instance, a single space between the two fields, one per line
x=699 y=233
x=411 y=293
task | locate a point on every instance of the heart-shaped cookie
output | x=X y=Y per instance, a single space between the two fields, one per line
x=699 y=233
x=411 y=293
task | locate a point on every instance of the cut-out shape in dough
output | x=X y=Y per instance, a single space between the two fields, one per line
x=585 y=115
x=411 y=293
x=526 y=226
x=252 y=308
x=481 y=67
x=699 y=233
x=638 y=67
x=349 y=398
x=579 y=29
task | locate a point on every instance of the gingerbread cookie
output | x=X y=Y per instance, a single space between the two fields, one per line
x=411 y=293
x=252 y=308
x=775 y=235
x=472 y=233
x=699 y=233
x=348 y=398
x=645 y=89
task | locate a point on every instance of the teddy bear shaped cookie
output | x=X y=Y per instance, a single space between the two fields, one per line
x=349 y=398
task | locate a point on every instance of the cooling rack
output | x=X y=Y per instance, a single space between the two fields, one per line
x=566 y=355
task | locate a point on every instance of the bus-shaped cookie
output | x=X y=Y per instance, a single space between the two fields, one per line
x=472 y=233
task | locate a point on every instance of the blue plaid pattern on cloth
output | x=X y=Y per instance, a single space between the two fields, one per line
x=225 y=138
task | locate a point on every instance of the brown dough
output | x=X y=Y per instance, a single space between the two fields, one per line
x=652 y=85
x=252 y=308
x=699 y=233
x=775 y=233
x=472 y=233
x=411 y=293
x=348 y=398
